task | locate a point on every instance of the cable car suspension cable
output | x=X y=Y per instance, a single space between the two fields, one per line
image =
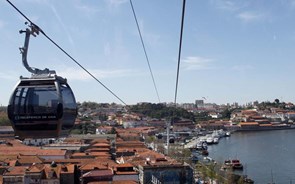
x=179 y=52
x=144 y=49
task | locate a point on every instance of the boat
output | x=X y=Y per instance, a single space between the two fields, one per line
x=201 y=146
x=234 y=164
x=227 y=134
x=209 y=140
x=215 y=140
x=205 y=153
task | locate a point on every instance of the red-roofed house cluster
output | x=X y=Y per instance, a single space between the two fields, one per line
x=119 y=160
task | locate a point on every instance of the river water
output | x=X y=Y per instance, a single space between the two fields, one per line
x=266 y=155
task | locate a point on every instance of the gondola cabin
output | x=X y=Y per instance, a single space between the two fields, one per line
x=42 y=107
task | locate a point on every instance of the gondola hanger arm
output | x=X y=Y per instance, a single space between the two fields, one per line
x=32 y=30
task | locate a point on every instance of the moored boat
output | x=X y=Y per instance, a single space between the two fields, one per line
x=215 y=140
x=209 y=140
x=234 y=164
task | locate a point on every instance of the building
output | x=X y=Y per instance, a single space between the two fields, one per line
x=199 y=104
x=165 y=173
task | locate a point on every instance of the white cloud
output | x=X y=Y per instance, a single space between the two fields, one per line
x=63 y=25
x=36 y=1
x=87 y=10
x=79 y=74
x=147 y=36
x=225 y=5
x=196 y=63
x=115 y=3
x=250 y=16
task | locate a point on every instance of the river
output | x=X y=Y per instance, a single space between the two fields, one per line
x=266 y=155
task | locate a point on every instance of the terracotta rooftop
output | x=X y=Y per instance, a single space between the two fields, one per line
x=17 y=170
x=124 y=165
x=29 y=159
x=265 y=125
x=126 y=172
x=98 y=163
x=101 y=145
x=97 y=173
x=100 y=154
x=248 y=123
x=70 y=160
x=98 y=150
x=15 y=148
x=35 y=168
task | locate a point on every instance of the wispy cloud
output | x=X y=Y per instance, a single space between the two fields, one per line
x=250 y=16
x=63 y=25
x=115 y=3
x=86 y=10
x=79 y=74
x=196 y=63
x=225 y=5
x=148 y=37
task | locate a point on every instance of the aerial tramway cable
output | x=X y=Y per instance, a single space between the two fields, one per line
x=144 y=49
x=177 y=76
x=74 y=60
x=179 y=52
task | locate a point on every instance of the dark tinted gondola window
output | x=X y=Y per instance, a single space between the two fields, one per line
x=68 y=98
x=35 y=100
x=69 y=105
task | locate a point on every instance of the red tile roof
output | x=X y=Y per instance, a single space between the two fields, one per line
x=16 y=171
x=98 y=173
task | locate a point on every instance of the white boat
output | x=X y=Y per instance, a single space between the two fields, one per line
x=221 y=133
x=201 y=145
x=209 y=140
x=215 y=140
x=227 y=134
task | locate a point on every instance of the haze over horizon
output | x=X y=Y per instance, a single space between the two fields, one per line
x=233 y=50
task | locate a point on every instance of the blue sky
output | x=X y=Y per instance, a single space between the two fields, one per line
x=233 y=51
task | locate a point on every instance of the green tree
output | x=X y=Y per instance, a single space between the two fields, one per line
x=226 y=113
x=161 y=111
x=4 y=121
x=76 y=131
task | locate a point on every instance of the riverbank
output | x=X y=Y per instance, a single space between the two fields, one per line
x=266 y=155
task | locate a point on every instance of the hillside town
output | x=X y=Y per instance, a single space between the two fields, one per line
x=111 y=143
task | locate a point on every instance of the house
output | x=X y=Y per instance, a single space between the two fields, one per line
x=15 y=175
x=183 y=125
x=23 y=160
x=97 y=175
x=125 y=172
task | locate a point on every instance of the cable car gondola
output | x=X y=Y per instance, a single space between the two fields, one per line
x=42 y=106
